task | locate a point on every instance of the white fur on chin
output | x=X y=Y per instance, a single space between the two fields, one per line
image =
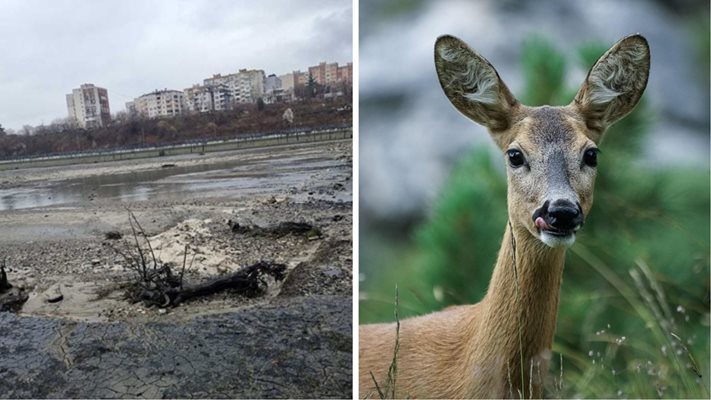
x=557 y=241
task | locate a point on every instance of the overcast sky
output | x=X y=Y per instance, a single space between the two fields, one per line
x=132 y=47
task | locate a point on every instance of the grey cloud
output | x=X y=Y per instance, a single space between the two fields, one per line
x=132 y=47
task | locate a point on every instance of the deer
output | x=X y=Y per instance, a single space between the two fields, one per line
x=501 y=346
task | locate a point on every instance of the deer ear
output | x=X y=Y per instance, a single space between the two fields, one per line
x=614 y=84
x=472 y=84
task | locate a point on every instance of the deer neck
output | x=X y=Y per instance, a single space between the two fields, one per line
x=520 y=307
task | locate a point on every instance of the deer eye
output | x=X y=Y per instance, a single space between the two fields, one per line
x=515 y=158
x=590 y=157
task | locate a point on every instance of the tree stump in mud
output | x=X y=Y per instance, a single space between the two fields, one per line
x=249 y=281
x=159 y=286
x=281 y=229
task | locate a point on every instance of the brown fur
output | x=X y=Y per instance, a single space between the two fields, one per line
x=474 y=351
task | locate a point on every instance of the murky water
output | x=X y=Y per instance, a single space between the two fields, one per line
x=233 y=179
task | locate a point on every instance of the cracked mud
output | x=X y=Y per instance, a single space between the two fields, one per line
x=300 y=347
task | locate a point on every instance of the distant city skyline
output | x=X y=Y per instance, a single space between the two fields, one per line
x=132 y=48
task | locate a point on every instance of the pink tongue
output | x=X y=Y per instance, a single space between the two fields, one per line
x=541 y=224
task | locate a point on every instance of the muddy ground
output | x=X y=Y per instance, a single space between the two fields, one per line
x=292 y=341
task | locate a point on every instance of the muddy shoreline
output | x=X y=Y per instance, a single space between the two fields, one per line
x=294 y=341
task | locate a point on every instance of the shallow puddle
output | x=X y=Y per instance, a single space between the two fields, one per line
x=235 y=178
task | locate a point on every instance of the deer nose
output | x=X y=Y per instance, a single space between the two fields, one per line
x=564 y=215
x=561 y=215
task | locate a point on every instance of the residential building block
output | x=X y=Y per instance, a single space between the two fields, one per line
x=89 y=106
x=160 y=103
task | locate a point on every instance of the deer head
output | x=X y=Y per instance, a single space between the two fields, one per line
x=550 y=152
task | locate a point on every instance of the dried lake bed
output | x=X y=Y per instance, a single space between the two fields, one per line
x=292 y=341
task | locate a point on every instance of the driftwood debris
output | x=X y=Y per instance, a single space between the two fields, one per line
x=277 y=230
x=249 y=281
x=169 y=292
x=113 y=235
x=158 y=285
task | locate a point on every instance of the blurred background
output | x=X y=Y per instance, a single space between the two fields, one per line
x=634 y=311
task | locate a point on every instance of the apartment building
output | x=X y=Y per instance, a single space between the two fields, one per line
x=325 y=73
x=221 y=92
x=89 y=106
x=301 y=78
x=255 y=79
x=199 y=98
x=287 y=81
x=131 y=108
x=345 y=73
x=273 y=91
x=271 y=83
x=328 y=74
x=160 y=103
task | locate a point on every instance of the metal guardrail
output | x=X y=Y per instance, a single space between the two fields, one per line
x=202 y=140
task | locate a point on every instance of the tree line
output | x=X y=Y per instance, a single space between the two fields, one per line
x=64 y=136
